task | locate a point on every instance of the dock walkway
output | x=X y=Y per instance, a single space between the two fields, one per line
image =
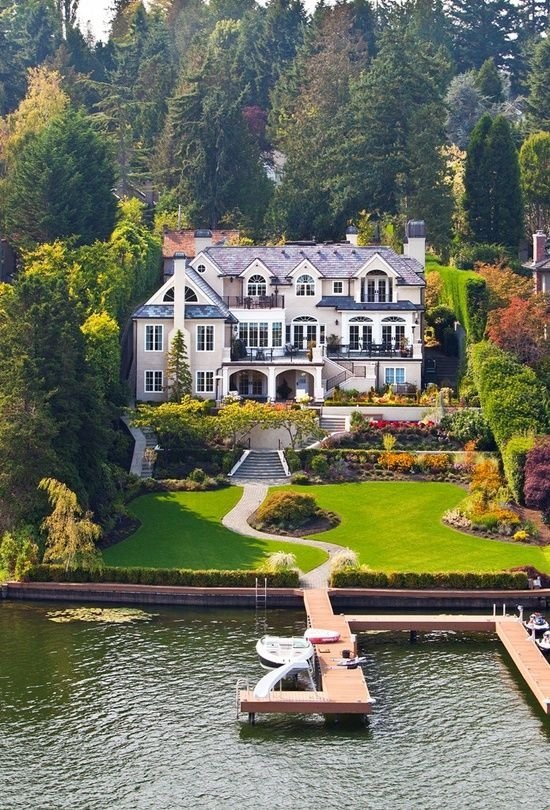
x=343 y=690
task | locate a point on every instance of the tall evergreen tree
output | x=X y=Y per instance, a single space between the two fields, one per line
x=60 y=184
x=538 y=82
x=489 y=82
x=482 y=30
x=477 y=199
x=180 y=382
x=492 y=192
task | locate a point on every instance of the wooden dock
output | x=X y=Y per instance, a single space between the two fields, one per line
x=345 y=691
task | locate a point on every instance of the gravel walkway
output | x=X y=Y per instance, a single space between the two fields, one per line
x=237 y=521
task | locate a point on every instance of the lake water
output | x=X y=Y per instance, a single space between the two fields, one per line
x=102 y=716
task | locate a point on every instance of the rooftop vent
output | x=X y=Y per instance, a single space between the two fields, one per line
x=203 y=233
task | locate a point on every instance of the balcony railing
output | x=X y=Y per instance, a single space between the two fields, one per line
x=286 y=354
x=272 y=301
x=369 y=350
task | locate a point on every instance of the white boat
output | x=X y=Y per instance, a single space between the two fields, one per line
x=537 y=624
x=317 y=636
x=544 y=643
x=275 y=651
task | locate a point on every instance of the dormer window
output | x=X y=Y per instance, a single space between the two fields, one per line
x=256 y=286
x=376 y=288
x=169 y=295
x=190 y=296
x=305 y=285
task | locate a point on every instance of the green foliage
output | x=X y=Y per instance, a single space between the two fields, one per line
x=18 y=553
x=538 y=81
x=489 y=82
x=102 y=349
x=177 y=369
x=468 y=425
x=514 y=455
x=59 y=184
x=292 y=459
x=300 y=478
x=534 y=161
x=512 y=398
x=319 y=465
x=286 y=510
x=71 y=535
x=465 y=293
x=165 y=576
x=365 y=578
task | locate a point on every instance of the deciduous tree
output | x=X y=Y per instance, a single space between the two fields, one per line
x=71 y=534
x=522 y=328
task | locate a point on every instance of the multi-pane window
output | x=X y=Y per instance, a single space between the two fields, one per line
x=205 y=338
x=394 y=376
x=376 y=289
x=169 y=295
x=305 y=285
x=256 y=286
x=393 y=333
x=360 y=336
x=154 y=383
x=276 y=334
x=190 y=296
x=255 y=335
x=205 y=382
x=337 y=287
x=154 y=337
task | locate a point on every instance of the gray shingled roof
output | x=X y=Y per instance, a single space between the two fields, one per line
x=193 y=312
x=332 y=261
x=205 y=287
x=344 y=302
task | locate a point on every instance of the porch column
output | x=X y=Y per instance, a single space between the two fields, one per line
x=318 y=389
x=225 y=382
x=271 y=387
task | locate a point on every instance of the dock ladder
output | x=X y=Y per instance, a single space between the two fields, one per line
x=261 y=594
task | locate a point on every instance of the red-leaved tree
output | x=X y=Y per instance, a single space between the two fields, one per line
x=523 y=328
x=537 y=476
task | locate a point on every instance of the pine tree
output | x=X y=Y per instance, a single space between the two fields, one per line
x=534 y=159
x=489 y=82
x=503 y=171
x=477 y=199
x=177 y=369
x=538 y=82
x=481 y=31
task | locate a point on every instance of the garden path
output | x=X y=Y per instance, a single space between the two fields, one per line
x=237 y=521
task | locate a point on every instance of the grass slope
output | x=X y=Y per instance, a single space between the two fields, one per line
x=184 y=530
x=396 y=526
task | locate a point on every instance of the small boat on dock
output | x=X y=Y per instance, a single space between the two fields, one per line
x=544 y=643
x=317 y=636
x=275 y=651
x=537 y=625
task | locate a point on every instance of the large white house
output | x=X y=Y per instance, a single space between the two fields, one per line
x=275 y=322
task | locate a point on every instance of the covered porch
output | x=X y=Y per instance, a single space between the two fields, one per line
x=273 y=383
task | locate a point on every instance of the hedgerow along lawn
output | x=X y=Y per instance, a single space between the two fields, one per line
x=396 y=526
x=184 y=530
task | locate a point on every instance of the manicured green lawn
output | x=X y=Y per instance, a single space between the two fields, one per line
x=184 y=530
x=396 y=526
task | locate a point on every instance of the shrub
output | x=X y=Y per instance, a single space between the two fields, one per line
x=280 y=561
x=300 y=478
x=468 y=256
x=319 y=465
x=364 y=578
x=537 y=475
x=345 y=558
x=512 y=397
x=435 y=462
x=466 y=294
x=521 y=536
x=293 y=460
x=397 y=462
x=514 y=457
x=197 y=475
x=165 y=576
x=286 y=510
x=469 y=424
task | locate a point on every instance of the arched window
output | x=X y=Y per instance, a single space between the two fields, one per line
x=376 y=287
x=256 y=286
x=190 y=296
x=360 y=333
x=169 y=295
x=305 y=285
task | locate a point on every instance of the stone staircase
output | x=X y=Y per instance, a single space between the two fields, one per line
x=260 y=465
x=148 y=463
x=333 y=423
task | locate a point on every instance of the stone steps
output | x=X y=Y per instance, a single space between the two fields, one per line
x=260 y=465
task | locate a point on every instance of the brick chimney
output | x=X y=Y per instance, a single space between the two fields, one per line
x=539 y=246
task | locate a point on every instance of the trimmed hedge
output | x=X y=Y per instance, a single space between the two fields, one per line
x=513 y=399
x=165 y=576
x=466 y=293
x=362 y=578
x=514 y=456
